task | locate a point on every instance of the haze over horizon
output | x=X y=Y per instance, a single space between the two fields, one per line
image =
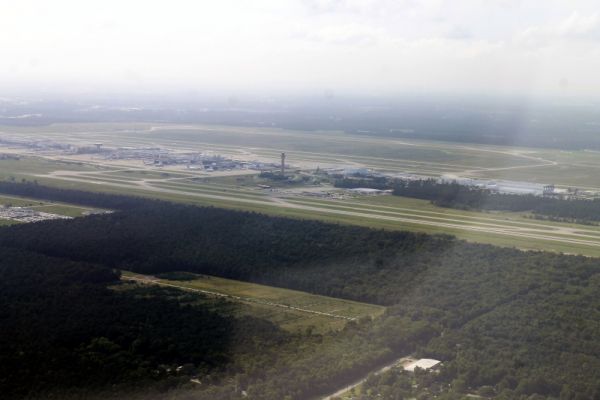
x=374 y=47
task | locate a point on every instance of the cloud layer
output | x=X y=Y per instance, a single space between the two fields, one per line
x=353 y=46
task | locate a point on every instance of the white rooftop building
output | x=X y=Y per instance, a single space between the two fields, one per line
x=423 y=363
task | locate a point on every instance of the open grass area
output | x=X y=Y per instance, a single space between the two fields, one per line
x=6 y=222
x=68 y=210
x=14 y=201
x=290 y=309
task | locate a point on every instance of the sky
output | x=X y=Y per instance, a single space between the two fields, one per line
x=302 y=46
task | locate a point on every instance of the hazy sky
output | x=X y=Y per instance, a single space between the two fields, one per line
x=353 y=46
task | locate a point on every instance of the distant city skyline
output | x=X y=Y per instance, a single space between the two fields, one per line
x=369 y=47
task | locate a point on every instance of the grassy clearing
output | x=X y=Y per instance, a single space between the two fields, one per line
x=290 y=309
x=14 y=201
x=65 y=209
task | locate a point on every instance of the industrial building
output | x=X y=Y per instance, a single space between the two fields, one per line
x=424 y=364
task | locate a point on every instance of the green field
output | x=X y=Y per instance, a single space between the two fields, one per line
x=15 y=201
x=290 y=309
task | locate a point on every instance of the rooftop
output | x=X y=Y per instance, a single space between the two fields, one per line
x=423 y=363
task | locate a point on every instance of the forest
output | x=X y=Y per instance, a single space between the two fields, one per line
x=32 y=189
x=506 y=323
x=71 y=330
x=64 y=330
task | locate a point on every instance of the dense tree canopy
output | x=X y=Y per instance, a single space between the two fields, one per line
x=506 y=323
x=63 y=328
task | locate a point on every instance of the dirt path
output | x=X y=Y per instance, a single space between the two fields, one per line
x=387 y=367
x=151 y=281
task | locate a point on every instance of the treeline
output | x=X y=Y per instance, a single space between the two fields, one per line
x=380 y=183
x=455 y=195
x=465 y=197
x=275 y=176
x=161 y=237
